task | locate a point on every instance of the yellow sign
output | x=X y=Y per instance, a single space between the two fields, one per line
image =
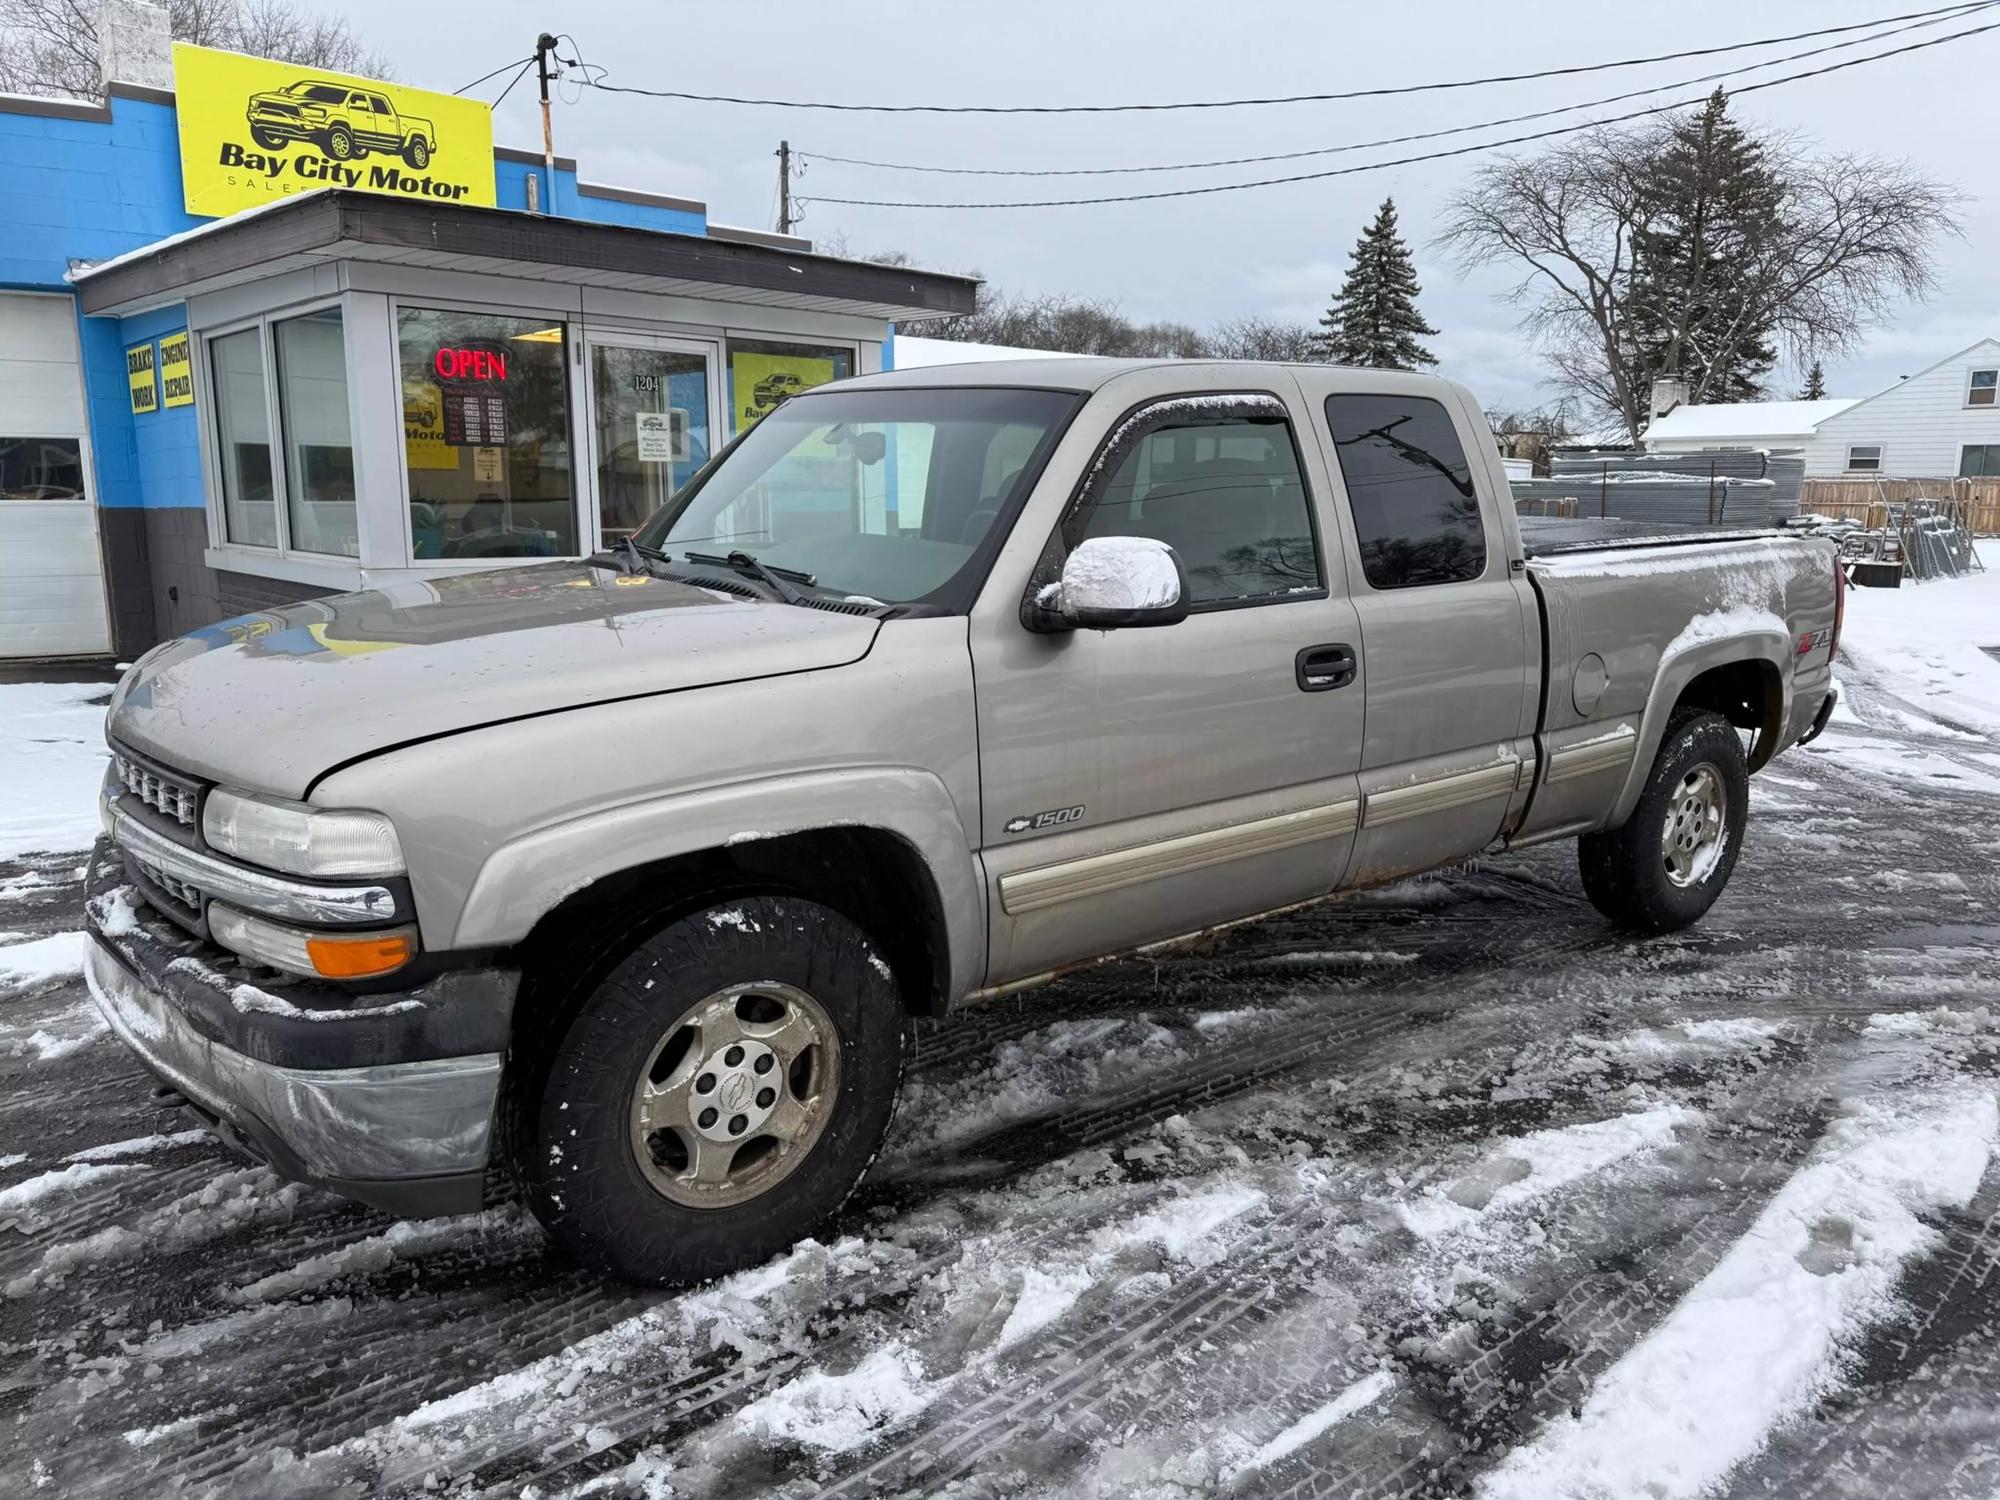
x=139 y=371
x=758 y=382
x=423 y=428
x=176 y=370
x=253 y=131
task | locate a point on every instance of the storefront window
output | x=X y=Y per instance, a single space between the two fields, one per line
x=763 y=373
x=486 y=435
x=319 y=446
x=243 y=439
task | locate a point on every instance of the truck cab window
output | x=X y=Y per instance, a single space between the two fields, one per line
x=1228 y=496
x=1409 y=486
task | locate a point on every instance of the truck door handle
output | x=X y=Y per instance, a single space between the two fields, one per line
x=1322 y=668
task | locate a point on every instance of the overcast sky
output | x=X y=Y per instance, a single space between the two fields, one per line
x=1278 y=251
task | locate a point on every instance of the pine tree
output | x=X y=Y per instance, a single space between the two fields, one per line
x=1374 y=321
x=1709 y=201
x=1815 y=384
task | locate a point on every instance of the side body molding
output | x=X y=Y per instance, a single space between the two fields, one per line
x=1768 y=647
x=524 y=879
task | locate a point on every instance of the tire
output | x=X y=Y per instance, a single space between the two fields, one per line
x=739 y=969
x=270 y=140
x=417 y=152
x=1665 y=867
x=339 y=143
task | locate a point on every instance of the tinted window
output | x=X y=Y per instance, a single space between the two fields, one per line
x=1226 y=495
x=1979 y=460
x=41 y=468
x=1416 y=513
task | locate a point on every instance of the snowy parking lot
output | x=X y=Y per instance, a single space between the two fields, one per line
x=1444 y=1189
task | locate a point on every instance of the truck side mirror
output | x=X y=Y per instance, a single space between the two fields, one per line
x=1114 y=583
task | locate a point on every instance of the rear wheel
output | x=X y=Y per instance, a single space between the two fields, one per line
x=417 y=152
x=720 y=1094
x=1664 y=868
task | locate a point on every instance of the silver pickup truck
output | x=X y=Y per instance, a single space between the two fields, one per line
x=615 y=882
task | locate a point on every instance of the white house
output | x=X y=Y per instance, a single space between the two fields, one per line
x=1942 y=421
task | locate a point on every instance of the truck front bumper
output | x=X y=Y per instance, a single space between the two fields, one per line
x=353 y=1097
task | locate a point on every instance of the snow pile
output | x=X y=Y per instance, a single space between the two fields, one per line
x=1760 y=1337
x=42 y=963
x=839 y=1413
x=52 y=746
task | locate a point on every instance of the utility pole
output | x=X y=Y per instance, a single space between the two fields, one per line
x=545 y=45
x=784 y=154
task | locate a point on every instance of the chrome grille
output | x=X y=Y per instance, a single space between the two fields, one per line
x=180 y=890
x=164 y=794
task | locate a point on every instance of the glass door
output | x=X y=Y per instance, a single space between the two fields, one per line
x=651 y=402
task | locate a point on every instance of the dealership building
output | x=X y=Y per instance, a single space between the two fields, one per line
x=305 y=333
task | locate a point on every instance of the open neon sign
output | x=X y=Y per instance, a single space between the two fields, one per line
x=469 y=364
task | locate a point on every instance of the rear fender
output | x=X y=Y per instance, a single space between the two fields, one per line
x=1767 y=646
x=527 y=877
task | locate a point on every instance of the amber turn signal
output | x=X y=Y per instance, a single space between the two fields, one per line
x=362 y=956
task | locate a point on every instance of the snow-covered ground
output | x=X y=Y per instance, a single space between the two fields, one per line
x=1448 y=1190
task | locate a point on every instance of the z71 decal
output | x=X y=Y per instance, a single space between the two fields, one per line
x=1055 y=817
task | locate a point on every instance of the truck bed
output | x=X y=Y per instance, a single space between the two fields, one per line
x=1546 y=536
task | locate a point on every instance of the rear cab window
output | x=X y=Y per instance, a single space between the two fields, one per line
x=1409 y=489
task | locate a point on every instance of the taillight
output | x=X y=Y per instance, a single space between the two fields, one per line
x=1839 y=606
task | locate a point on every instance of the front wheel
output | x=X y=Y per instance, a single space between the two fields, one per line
x=339 y=143
x=1664 y=868
x=720 y=1093
x=270 y=140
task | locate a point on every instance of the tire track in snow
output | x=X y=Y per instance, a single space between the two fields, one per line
x=1757 y=1340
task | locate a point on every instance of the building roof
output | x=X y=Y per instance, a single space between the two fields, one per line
x=1742 y=419
x=1951 y=358
x=914 y=353
x=315 y=228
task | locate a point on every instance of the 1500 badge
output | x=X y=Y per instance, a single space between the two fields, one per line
x=1055 y=817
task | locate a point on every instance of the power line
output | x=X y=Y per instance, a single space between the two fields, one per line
x=494 y=74
x=1394 y=140
x=1404 y=161
x=1378 y=93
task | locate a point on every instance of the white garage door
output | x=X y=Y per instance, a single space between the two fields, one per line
x=51 y=574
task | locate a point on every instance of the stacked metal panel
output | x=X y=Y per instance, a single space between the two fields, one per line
x=1748 y=487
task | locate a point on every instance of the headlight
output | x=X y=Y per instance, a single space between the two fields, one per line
x=322 y=955
x=299 y=839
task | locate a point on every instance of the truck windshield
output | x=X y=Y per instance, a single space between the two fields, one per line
x=319 y=93
x=877 y=495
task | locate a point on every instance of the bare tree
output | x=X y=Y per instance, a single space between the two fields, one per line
x=49 y=47
x=1853 y=237
x=1266 y=338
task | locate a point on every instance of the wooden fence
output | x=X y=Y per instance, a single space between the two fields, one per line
x=1868 y=500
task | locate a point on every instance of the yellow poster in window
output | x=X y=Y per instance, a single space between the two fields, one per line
x=253 y=131
x=423 y=429
x=758 y=382
x=139 y=371
x=176 y=370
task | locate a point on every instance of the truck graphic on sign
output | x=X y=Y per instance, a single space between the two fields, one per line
x=343 y=121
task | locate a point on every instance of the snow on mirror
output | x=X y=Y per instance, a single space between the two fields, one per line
x=1121 y=580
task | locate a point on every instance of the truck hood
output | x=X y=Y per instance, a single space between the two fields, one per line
x=271 y=701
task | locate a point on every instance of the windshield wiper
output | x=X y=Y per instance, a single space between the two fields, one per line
x=628 y=556
x=772 y=578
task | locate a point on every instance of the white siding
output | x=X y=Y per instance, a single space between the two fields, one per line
x=1921 y=423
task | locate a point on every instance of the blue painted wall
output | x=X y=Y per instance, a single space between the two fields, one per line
x=510 y=184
